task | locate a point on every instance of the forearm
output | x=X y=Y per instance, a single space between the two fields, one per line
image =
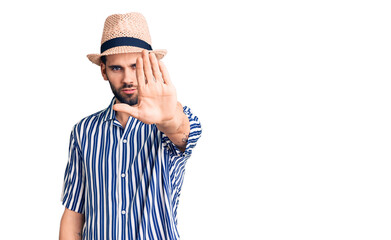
x=177 y=129
x=71 y=226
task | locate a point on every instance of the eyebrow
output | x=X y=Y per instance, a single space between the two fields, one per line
x=111 y=66
x=115 y=65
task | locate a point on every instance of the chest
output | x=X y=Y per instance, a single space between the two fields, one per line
x=110 y=151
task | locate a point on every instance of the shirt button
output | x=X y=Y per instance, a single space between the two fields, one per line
x=123 y=175
x=125 y=141
x=123 y=212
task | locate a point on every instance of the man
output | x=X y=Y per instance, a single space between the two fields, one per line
x=126 y=163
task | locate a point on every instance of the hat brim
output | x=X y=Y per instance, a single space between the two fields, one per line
x=95 y=58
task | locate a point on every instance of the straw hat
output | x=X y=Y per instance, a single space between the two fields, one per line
x=125 y=33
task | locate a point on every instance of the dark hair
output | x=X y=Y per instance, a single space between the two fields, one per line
x=103 y=59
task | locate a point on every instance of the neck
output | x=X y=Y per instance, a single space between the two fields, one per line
x=121 y=116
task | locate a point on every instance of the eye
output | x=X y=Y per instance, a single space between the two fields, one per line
x=115 y=68
x=133 y=66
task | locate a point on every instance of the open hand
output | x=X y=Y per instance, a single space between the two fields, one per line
x=157 y=99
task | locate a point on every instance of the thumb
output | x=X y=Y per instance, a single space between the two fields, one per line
x=125 y=108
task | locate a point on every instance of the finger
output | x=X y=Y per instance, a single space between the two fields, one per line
x=141 y=81
x=147 y=67
x=125 y=108
x=155 y=67
x=163 y=70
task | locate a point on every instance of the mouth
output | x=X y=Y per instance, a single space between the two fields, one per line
x=128 y=90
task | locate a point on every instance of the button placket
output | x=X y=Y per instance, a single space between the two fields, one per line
x=123 y=172
x=122 y=168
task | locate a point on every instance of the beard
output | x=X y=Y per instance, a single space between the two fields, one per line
x=130 y=99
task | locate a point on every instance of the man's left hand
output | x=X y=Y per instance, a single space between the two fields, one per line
x=157 y=99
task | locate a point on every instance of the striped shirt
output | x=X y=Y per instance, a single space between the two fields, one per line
x=126 y=181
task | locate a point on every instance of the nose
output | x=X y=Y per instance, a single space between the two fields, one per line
x=129 y=77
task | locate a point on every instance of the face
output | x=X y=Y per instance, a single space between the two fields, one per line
x=120 y=71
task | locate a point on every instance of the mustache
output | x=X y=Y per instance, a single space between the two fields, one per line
x=128 y=86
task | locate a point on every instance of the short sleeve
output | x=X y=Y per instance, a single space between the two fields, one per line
x=194 y=135
x=74 y=178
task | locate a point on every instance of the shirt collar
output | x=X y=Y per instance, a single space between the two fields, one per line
x=109 y=112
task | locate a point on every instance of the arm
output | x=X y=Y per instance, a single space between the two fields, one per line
x=71 y=225
x=177 y=129
x=72 y=220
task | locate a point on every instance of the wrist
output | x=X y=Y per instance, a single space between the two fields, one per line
x=169 y=126
x=174 y=124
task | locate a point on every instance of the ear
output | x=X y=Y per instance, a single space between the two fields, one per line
x=103 y=71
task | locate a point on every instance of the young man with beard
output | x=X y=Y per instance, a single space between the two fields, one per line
x=126 y=163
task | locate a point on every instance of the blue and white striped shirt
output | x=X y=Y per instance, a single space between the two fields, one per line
x=128 y=181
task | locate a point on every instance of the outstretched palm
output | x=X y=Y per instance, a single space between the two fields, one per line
x=157 y=100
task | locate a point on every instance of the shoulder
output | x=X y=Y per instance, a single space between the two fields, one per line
x=88 y=122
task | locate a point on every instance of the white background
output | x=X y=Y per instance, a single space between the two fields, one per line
x=294 y=98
